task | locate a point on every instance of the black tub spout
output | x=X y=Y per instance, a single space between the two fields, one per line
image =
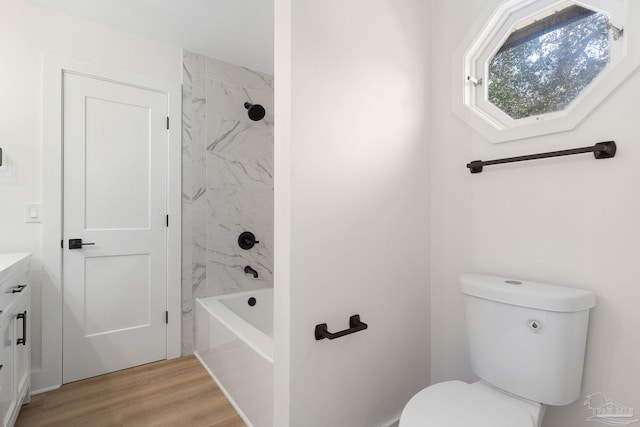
x=251 y=271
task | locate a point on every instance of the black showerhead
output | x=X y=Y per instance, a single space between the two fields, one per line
x=256 y=111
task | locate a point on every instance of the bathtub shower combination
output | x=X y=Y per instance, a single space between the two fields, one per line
x=234 y=342
x=227 y=136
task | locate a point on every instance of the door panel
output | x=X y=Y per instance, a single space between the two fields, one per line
x=122 y=281
x=115 y=145
x=117 y=197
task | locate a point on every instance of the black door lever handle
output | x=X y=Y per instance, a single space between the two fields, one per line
x=77 y=244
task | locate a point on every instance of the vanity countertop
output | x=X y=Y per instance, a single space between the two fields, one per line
x=11 y=263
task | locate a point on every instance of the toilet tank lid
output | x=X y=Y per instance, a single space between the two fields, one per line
x=524 y=293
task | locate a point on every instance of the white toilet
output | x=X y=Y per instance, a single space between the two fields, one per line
x=527 y=343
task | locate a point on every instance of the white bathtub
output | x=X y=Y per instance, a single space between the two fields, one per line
x=234 y=342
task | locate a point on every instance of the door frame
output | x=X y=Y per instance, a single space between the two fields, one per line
x=49 y=377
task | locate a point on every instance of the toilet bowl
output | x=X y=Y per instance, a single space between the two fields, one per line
x=458 y=404
x=527 y=343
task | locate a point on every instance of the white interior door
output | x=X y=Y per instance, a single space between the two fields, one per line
x=115 y=190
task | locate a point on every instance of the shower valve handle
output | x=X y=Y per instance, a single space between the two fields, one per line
x=247 y=240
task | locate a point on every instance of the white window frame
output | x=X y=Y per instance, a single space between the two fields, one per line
x=471 y=62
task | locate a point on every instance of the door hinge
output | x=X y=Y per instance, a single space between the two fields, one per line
x=167 y=220
x=167 y=122
x=166 y=317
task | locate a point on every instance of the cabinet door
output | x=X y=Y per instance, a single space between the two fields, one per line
x=7 y=401
x=20 y=349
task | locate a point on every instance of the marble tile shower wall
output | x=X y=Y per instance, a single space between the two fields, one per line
x=227 y=184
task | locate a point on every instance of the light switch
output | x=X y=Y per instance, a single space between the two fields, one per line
x=32 y=212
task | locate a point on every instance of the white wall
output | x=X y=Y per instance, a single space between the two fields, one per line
x=26 y=32
x=569 y=221
x=352 y=174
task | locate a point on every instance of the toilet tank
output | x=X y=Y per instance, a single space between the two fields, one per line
x=527 y=338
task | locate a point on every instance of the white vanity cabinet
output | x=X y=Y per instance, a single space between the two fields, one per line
x=15 y=340
x=6 y=374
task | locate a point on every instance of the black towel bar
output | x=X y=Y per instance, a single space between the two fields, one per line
x=355 y=325
x=601 y=150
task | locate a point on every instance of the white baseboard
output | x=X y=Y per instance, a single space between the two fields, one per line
x=44 y=390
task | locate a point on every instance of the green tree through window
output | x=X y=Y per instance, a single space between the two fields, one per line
x=544 y=66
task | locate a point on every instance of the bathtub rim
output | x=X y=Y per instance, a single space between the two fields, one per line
x=260 y=342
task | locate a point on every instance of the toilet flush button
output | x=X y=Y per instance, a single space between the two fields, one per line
x=535 y=325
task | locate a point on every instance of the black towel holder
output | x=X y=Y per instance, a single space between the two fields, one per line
x=601 y=150
x=355 y=325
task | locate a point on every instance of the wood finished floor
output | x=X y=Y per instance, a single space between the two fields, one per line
x=169 y=393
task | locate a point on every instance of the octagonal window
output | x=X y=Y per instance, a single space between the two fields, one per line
x=547 y=61
x=535 y=67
